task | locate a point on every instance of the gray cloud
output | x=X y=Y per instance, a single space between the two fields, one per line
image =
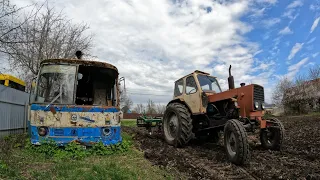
x=153 y=43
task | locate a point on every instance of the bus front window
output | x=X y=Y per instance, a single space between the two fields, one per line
x=56 y=84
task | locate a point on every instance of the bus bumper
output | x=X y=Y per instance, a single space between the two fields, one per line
x=87 y=136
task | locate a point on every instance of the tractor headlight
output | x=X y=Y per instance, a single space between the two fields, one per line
x=256 y=105
x=262 y=105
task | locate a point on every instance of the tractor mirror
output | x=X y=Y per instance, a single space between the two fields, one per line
x=80 y=76
x=124 y=82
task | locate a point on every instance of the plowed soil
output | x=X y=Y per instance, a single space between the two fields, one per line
x=298 y=159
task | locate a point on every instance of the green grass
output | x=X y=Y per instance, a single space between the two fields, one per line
x=21 y=163
x=129 y=122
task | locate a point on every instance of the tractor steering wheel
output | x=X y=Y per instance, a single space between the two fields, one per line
x=194 y=89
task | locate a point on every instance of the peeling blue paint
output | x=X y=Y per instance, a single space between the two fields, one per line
x=86 y=136
x=64 y=108
x=87 y=119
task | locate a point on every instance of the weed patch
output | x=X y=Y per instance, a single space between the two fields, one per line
x=75 y=150
x=129 y=122
x=48 y=161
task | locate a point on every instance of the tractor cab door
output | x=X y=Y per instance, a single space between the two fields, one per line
x=192 y=94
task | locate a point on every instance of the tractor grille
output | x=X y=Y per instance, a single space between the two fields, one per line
x=258 y=93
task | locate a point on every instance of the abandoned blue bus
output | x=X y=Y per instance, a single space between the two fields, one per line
x=75 y=100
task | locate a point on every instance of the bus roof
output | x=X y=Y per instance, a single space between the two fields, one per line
x=81 y=62
x=12 y=78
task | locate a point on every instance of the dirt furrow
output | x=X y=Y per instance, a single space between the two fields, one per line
x=299 y=158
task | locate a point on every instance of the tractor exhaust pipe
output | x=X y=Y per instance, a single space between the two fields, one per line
x=79 y=54
x=230 y=79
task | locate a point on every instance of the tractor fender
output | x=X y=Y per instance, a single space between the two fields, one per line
x=180 y=100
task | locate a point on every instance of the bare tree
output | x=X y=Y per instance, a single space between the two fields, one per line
x=300 y=96
x=314 y=72
x=161 y=108
x=46 y=35
x=139 y=108
x=123 y=94
x=125 y=101
x=151 y=108
x=281 y=88
x=8 y=24
x=11 y=23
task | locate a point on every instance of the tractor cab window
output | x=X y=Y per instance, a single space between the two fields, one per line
x=209 y=83
x=178 y=88
x=191 y=86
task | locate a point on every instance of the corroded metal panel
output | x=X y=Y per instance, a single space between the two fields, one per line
x=74 y=116
x=12 y=110
x=74 y=119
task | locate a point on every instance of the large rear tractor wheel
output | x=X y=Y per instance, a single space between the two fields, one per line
x=236 y=142
x=272 y=136
x=177 y=125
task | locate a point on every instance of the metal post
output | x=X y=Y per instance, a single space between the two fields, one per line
x=25 y=117
x=124 y=82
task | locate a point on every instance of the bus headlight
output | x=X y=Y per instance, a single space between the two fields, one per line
x=256 y=105
x=42 y=131
x=106 y=131
x=262 y=105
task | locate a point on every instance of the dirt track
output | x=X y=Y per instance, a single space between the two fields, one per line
x=299 y=158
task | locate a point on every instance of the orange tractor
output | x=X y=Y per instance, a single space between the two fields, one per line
x=200 y=109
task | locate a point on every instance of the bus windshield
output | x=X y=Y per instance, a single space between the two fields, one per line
x=56 y=84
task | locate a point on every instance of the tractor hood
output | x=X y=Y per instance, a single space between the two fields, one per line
x=247 y=97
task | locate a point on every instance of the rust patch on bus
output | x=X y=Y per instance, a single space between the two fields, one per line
x=81 y=62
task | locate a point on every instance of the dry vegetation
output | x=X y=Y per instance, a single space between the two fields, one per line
x=301 y=95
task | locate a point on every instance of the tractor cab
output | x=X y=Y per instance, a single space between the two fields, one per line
x=194 y=85
x=200 y=109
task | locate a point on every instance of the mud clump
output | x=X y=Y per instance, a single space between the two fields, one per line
x=298 y=159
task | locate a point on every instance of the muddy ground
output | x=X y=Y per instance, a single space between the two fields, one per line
x=298 y=159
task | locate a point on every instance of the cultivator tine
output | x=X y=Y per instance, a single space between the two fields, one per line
x=150 y=123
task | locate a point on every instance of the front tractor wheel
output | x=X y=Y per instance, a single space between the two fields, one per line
x=272 y=136
x=236 y=142
x=177 y=125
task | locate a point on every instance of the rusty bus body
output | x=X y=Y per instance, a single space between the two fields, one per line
x=76 y=100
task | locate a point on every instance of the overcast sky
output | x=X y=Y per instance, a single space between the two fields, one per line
x=154 y=42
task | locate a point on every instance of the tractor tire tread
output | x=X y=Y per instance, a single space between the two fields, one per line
x=185 y=124
x=244 y=150
x=278 y=144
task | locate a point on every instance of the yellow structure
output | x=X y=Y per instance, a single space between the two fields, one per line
x=13 y=82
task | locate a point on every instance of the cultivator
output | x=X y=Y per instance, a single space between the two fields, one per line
x=152 y=124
